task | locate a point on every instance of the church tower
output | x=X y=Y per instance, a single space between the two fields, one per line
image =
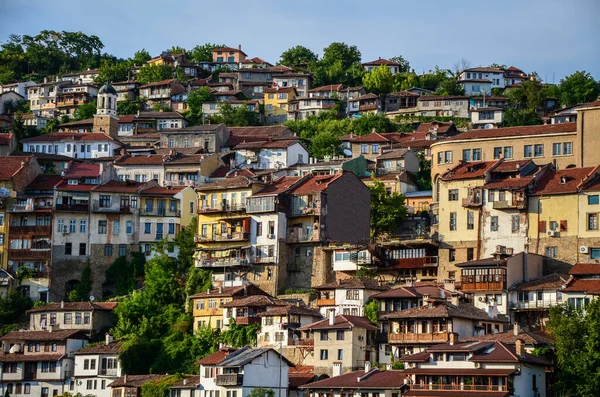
x=105 y=119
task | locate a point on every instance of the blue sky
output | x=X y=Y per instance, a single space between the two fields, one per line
x=553 y=37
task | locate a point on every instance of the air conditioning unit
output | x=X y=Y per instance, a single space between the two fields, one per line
x=65 y=229
x=583 y=249
x=551 y=233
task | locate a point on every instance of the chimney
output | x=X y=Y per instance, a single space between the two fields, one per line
x=455 y=299
x=331 y=316
x=184 y=382
x=425 y=300
x=449 y=285
x=220 y=290
x=50 y=328
x=337 y=368
x=519 y=347
x=516 y=328
x=125 y=378
x=62 y=304
x=388 y=367
x=239 y=47
x=367 y=367
x=453 y=338
x=108 y=338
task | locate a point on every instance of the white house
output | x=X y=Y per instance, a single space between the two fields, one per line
x=79 y=145
x=20 y=88
x=96 y=367
x=583 y=285
x=346 y=297
x=279 y=325
x=476 y=86
x=270 y=154
x=494 y=75
x=480 y=117
x=235 y=373
x=8 y=96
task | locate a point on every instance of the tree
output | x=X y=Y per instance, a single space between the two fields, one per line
x=324 y=144
x=514 y=117
x=112 y=71
x=238 y=335
x=297 y=56
x=196 y=98
x=450 y=86
x=387 y=209
x=13 y=308
x=141 y=57
x=261 y=392
x=152 y=73
x=85 y=111
x=203 y=53
x=580 y=87
x=423 y=177
x=347 y=55
x=238 y=116
x=81 y=293
x=379 y=81
x=577 y=334
x=127 y=107
x=372 y=311
x=404 y=64
x=461 y=65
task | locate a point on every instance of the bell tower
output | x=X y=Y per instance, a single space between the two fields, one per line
x=105 y=119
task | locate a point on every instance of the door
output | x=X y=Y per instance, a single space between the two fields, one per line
x=30 y=371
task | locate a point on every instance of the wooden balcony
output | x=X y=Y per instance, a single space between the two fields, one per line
x=438 y=337
x=224 y=262
x=483 y=286
x=534 y=305
x=229 y=380
x=235 y=236
x=247 y=320
x=472 y=202
x=24 y=254
x=325 y=302
x=508 y=205
x=305 y=342
x=72 y=207
x=463 y=387
x=415 y=263
x=30 y=230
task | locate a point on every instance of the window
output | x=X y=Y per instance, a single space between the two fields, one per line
x=339 y=334
x=453 y=221
x=375 y=148
x=470 y=220
x=323 y=354
x=68 y=248
x=538 y=150
x=592 y=221
x=470 y=254
x=83 y=226
x=68 y=318
x=551 y=252
x=122 y=250
x=556 y=149
x=528 y=151
x=147 y=228
x=48 y=366
x=171 y=228
x=72 y=225
x=107 y=249
x=466 y=155
x=129 y=227
x=86 y=364
x=159 y=230
x=78 y=318
x=451 y=255
x=476 y=154
x=508 y=152
x=593 y=199
x=448 y=156
x=494 y=223
x=497 y=152
x=364 y=148
x=352 y=294
x=595 y=253
x=514 y=222
x=324 y=335
x=102 y=227
x=567 y=148
x=453 y=195
x=340 y=355
x=27 y=388
x=61 y=225
x=116 y=228
x=258 y=229
x=104 y=200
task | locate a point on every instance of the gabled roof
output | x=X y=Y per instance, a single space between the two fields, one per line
x=353 y=283
x=255 y=301
x=69 y=136
x=327 y=88
x=120 y=187
x=238 y=182
x=487 y=262
x=246 y=354
x=442 y=127
x=341 y=322
x=315 y=184
x=11 y=166
x=516 y=131
x=217 y=357
x=423 y=98
x=588 y=286
x=83 y=170
x=509 y=338
x=249 y=289
x=562 y=181
x=156 y=83
x=585 y=269
x=552 y=281
x=392 y=154
x=374 y=379
x=289 y=309
x=135 y=380
x=470 y=170
x=228 y=49
x=101 y=348
x=441 y=309
x=275 y=144
x=381 y=61
x=280 y=89
x=411 y=292
x=279 y=185
x=45 y=182
x=74 y=306
x=58 y=335
x=373 y=137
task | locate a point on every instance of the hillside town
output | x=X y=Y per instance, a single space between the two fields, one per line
x=225 y=226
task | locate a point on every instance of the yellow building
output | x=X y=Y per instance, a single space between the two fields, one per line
x=207 y=307
x=223 y=235
x=277 y=102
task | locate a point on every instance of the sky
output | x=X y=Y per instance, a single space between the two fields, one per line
x=552 y=37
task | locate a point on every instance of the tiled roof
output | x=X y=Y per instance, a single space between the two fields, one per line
x=217 y=357
x=315 y=184
x=135 y=380
x=279 y=89
x=441 y=309
x=274 y=130
x=83 y=170
x=341 y=322
x=585 y=269
x=11 y=165
x=57 y=335
x=509 y=338
x=510 y=183
x=442 y=127
x=381 y=61
x=5 y=139
x=551 y=281
x=65 y=187
x=101 y=348
x=392 y=154
x=190 y=382
x=353 y=283
x=485 y=69
x=279 y=185
x=404 y=93
x=560 y=181
x=148 y=159
x=469 y=170
x=120 y=187
x=74 y=306
x=442 y=97
x=195 y=128
x=327 y=88
x=83 y=122
x=228 y=49
x=44 y=182
x=275 y=144
x=230 y=292
x=589 y=286
x=516 y=131
x=411 y=292
x=377 y=137
x=288 y=309
x=16 y=358
x=375 y=379
x=238 y=182
x=157 y=83
x=69 y=136
x=254 y=301
x=162 y=191
x=487 y=262
x=300 y=375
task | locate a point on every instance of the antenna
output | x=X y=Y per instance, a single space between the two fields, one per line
x=92 y=298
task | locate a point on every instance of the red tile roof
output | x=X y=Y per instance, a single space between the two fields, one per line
x=509 y=338
x=237 y=182
x=5 y=139
x=280 y=89
x=255 y=301
x=589 y=286
x=68 y=136
x=381 y=61
x=44 y=335
x=560 y=181
x=16 y=358
x=551 y=281
x=374 y=379
x=442 y=127
x=120 y=187
x=411 y=292
x=156 y=83
x=231 y=292
x=353 y=283
x=441 y=309
x=216 y=357
x=327 y=88
x=65 y=187
x=585 y=269
x=279 y=185
x=149 y=159
x=315 y=184
x=135 y=380
x=83 y=170
x=101 y=348
x=516 y=131
x=162 y=191
x=276 y=144
x=341 y=322
x=45 y=182
x=11 y=165
x=469 y=170
x=72 y=306
x=377 y=137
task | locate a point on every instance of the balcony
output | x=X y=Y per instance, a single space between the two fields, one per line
x=50 y=105
x=298 y=235
x=247 y=320
x=160 y=212
x=472 y=202
x=112 y=208
x=325 y=302
x=72 y=207
x=229 y=380
x=438 y=337
x=263 y=259
x=389 y=170
x=509 y=205
x=107 y=372
x=71 y=102
x=416 y=263
x=307 y=211
x=533 y=305
x=225 y=262
x=483 y=286
x=30 y=230
x=25 y=254
x=203 y=208
x=305 y=342
x=463 y=387
x=235 y=236
x=29 y=375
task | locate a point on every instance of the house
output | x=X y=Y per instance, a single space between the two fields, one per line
x=186 y=387
x=488 y=101
x=331 y=166
x=276 y=102
x=39 y=363
x=236 y=372
x=8 y=144
x=228 y=55
x=97 y=367
x=303 y=107
x=79 y=145
x=19 y=88
x=255 y=62
x=70 y=97
x=582 y=285
x=37 y=121
x=42 y=97
x=362 y=383
x=418 y=201
x=208 y=306
x=345 y=339
x=327 y=91
x=126 y=90
x=400 y=100
x=87 y=76
x=88 y=317
x=212 y=108
x=440 y=105
x=364 y=104
x=396 y=161
x=301 y=81
x=484 y=117
x=239 y=135
x=8 y=96
x=270 y=154
x=131 y=385
x=142 y=122
x=436 y=322
x=476 y=86
x=394 y=67
x=280 y=325
x=485 y=368
x=370 y=146
x=529 y=302
x=247 y=310
x=160 y=92
x=530 y=339
x=210 y=137
x=346 y=296
x=498 y=77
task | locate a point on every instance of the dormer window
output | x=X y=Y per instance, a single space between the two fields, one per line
x=73 y=182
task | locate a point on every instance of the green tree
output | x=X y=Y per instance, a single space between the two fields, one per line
x=372 y=311
x=404 y=64
x=423 y=177
x=112 y=71
x=387 y=210
x=577 y=334
x=141 y=57
x=514 y=117
x=324 y=144
x=261 y=392
x=52 y=126
x=297 y=56
x=153 y=73
x=238 y=116
x=203 y=53
x=81 y=293
x=379 y=81
x=580 y=87
x=238 y=335
x=337 y=51
x=127 y=107
x=13 y=308
x=450 y=86
x=185 y=241
x=85 y=111
x=196 y=98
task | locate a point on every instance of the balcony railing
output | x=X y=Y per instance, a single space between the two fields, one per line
x=440 y=337
x=471 y=202
x=483 y=286
x=507 y=205
x=160 y=212
x=541 y=304
x=108 y=371
x=72 y=207
x=450 y=387
x=301 y=342
x=30 y=230
x=426 y=261
x=229 y=380
x=235 y=236
x=247 y=320
x=228 y=207
x=298 y=235
x=17 y=254
x=267 y=207
x=114 y=208
x=225 y=262
x=389 y=170
x=263 y=259
x=325 y=302
x=306 y=211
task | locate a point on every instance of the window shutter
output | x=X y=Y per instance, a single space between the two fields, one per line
x=563 y=225
x=542 y=227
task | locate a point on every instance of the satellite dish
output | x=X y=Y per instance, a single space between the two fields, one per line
x=488 y=126
x=10 y=263
x=348 y=152
x=92 y=298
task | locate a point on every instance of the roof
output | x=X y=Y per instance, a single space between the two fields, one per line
x=101 y=348
x=148 y=159
x=376 y=137
x=585 y=269
x=485 y=69
x=255 y=301
x=74 y=306
x=551 y=281
x=442 y=127
x=279 y=89
x=300 y=375
x=420 y=193
x=107 y=89
x=44 y=182
x=246 y=354
x=279 y=185
x=442 y=97
x=315 y=184
x=11 y=165
x=195 y=128
x=237 y=182
x=353 y=283
x=190 y=382
x=327 y=88
x=135 y=380
x=16 y=358
x=6 y=138
x=216 y=357
x=441 y=309
x=381 y=61
x=276 y=144
x=230 y=292
x=589 y=286
x=228 y=49
x=289 y=309
x=70 y=136
x=162 y=191
x=341 y=322
x=487 y=262
x=374 y=379
x=562 y=181
x=83 y=170
x=469 y=170
x=410 y=292
x=509 y=338
x=57 y=335
x=516 y=131
x=155 y=83
x=392 y=154
x=120 y=187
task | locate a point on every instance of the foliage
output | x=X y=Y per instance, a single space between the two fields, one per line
x=112 y=71
x=15 y=106
x=239 y=116
x=387 y=210
x=160 y=387
x=13 y=307
x=577 y=334
x=82 y=291
x=85 y=111
x=366 y=271
x=141 y=57
x=404 y=64
x=529 y=95
x=138 y=354
x=450 y=86
x=291 y=291
x=340 y=65
x=379 y=81
x=196 y=98
x=372 y=311
x=261 y=392
x=297 y=56
x=153 y=73
x=580 y=87
x=127 y=107
x=185 y=241
x=203 y=53
x=397 y=365
x=240 y=335
x=52 y=126
x=423 y=177
x=514 y=117
x=198 y=280
x=121 y=275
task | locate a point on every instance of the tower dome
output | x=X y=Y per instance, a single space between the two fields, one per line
x=107 y=89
